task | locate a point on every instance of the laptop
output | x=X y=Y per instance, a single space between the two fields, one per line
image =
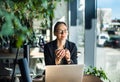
x=64 y=73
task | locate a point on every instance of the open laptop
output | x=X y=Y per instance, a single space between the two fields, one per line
x=64 y=73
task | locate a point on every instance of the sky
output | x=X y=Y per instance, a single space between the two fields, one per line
x=113 y=4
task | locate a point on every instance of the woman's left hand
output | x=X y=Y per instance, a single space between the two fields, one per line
x=67 y=54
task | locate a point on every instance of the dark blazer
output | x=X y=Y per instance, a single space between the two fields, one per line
x=49 y=52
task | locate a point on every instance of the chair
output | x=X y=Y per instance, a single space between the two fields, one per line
x=91 y=78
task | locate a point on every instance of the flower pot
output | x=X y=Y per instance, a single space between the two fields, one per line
x=91 y=78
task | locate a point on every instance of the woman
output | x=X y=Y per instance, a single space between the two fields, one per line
x=60 y=50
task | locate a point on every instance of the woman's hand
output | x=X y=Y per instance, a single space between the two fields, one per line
x=67 y=55
x=60 y=53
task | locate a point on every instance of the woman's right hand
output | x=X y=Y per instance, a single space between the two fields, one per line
x=60 y=53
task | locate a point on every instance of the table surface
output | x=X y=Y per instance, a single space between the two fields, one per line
x=34 y=53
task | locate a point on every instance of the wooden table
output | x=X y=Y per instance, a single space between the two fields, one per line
x=34 y=55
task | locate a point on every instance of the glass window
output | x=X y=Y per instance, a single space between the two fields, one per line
x=107 y=19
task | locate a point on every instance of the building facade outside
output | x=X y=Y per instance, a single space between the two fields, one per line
x=104 y=16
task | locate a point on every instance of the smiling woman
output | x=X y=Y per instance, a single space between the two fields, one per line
x=60 y=50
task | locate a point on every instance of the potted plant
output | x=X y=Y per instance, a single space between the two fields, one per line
x=96 y=74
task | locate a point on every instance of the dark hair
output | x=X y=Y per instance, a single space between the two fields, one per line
x=57 y=24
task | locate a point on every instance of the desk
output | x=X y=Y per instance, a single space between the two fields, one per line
x=34 y=53
x=34 y=56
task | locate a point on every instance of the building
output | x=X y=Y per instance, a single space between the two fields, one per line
x=104 y=16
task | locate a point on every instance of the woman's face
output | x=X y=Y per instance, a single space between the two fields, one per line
x=61 y=32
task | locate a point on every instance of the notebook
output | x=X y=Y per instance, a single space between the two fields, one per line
x=64 y=73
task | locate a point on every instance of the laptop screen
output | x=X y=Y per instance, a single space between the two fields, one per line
x=64 y=73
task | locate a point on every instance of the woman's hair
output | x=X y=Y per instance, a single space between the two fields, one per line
x=57 y=24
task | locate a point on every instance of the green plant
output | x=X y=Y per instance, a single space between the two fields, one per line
x=16 y=17
x=12 y=29
x=90 y=70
